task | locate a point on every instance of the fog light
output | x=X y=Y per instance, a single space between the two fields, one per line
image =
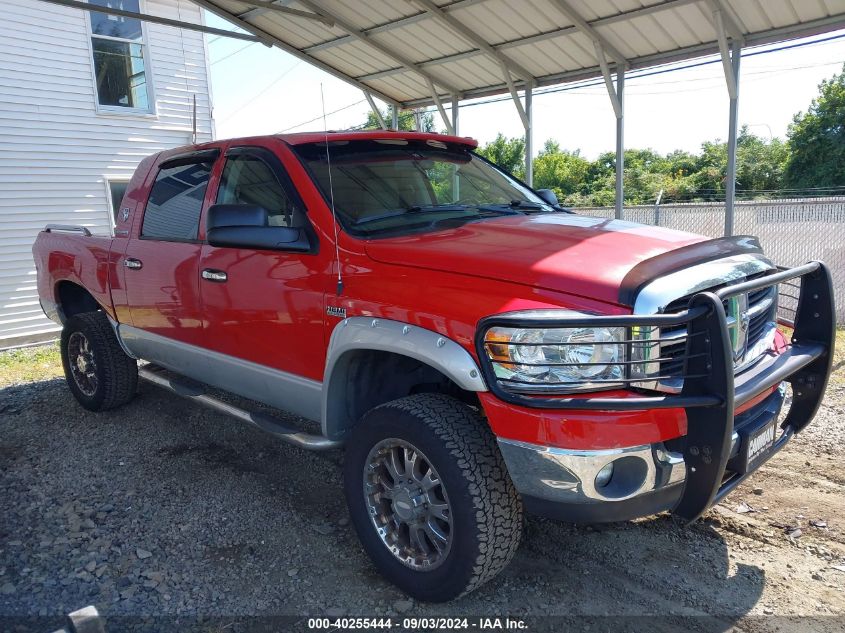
x=604 y=475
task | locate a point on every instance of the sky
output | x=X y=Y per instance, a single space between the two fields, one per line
x=260 y=90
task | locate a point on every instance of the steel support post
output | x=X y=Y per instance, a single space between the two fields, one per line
x=529 y=137
x=733 y=122
x=620 y=141
x=456 y=185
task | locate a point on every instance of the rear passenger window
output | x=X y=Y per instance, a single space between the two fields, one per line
x=173 y=210
x=248 y=179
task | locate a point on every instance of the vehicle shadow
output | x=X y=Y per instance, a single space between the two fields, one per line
x=238 y=524
x=651 y=574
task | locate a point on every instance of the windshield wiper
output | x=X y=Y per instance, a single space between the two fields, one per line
x=429 y=208
x=527 y=205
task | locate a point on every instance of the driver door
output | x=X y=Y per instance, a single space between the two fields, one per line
x=261 y=306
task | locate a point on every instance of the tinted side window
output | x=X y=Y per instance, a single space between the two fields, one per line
x=117 y=189
x=249 y=180
x=173 y=210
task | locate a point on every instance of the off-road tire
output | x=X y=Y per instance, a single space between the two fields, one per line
x=486 y=508
x=117 y=373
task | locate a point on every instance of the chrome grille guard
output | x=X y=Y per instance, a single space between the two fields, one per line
x=711 y=392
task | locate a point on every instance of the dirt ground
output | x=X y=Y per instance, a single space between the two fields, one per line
x=164 y=508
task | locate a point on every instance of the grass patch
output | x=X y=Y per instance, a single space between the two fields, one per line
x=30 y=364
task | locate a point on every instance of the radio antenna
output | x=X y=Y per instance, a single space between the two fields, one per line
x=194 y=122
x=331 y=195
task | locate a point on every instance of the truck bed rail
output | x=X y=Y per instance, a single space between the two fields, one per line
x=67 y=228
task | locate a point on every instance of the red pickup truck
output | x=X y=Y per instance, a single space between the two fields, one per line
x=476 y=349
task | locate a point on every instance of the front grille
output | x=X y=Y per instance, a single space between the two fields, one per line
x=762 y=313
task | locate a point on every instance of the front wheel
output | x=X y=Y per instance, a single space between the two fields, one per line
x=430 y=497
x=99 y=373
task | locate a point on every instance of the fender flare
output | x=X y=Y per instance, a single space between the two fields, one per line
x=385 y=335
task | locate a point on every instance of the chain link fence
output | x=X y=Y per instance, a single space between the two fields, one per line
x=792 y=231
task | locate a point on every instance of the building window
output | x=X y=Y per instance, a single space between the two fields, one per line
x=119 y=65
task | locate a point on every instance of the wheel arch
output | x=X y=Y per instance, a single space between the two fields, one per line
x=371 y=361
x=73 y=299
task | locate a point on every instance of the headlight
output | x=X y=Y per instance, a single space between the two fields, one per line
x=562 y=359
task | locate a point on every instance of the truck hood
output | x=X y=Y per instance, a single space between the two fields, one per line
x=567 y=253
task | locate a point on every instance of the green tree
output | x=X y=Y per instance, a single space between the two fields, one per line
x=507 y=153
x=406 y=120
x=760 y=164
x=816 y=139
x=562 y=171
x=760 y=167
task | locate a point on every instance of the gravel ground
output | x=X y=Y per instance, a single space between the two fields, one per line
x=163 y=508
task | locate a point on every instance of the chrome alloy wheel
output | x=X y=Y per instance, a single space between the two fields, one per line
x=83 y=368
x=408 y=504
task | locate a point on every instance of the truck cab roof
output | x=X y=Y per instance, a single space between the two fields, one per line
x=301 y=138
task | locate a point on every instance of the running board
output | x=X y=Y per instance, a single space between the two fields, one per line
x=269 y=424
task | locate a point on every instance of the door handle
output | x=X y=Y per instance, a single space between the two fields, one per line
x=133 y=264
x=214 y=275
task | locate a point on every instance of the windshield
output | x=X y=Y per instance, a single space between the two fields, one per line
x=396 y=185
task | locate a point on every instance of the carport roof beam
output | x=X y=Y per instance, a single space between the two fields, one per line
x=263 y=6
x=397 y=24
x=584 y=26
x=526 y=123
x=156 y=19
x=375 y=110
x=450 y=128
x=615 y=101
x=724 y=51
x=272 y=40
x=381 y=48
x=454 y=24
x=500 y=46
x=508 y=44
x=728 y=21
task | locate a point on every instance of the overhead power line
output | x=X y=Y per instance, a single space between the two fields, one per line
x=225 y=57
x=645 y=73
x=596 y=82
x=346 y=107
x=263 y=92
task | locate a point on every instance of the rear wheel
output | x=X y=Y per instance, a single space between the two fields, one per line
x=430 y=496
x=99 y=373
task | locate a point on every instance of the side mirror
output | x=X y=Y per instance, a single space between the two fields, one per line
x=548 y=196
x=228 y=215
x=245 y=226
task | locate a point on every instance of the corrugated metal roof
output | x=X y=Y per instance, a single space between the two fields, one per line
x=394 y=48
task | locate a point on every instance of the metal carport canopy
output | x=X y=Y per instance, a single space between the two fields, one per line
x=398 y=49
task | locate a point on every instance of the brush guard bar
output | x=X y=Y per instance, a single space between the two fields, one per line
x=711 y=392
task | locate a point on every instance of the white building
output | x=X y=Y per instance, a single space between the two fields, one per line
x=83 y=98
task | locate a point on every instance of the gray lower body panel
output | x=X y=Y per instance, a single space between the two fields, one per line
x=275 y=388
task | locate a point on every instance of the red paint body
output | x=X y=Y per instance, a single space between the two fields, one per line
x=273 y=309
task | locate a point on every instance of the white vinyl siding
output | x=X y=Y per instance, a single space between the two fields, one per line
x=57 y=151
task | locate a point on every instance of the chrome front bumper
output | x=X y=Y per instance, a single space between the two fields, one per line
x=647 y=479
x=567 y=478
